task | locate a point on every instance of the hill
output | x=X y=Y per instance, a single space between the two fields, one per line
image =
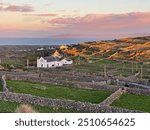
x=137 y=49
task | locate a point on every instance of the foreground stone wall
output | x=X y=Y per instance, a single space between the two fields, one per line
x=108 y=101
x=68 y=104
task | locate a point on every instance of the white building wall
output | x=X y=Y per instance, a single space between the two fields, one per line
x=58 y=63
x=41 y=63
x=53 y=64
x=66 y=62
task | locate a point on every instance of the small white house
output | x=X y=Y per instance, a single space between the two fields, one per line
x=40 y=49
x=48 y=62
x=67 y=62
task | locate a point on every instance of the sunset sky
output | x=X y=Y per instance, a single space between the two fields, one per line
x=74 y=18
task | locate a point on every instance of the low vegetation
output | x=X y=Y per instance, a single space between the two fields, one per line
x=13 y=63
x=10 y=107
x=133 y=102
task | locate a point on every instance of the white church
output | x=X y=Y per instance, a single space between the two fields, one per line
x=52 y=62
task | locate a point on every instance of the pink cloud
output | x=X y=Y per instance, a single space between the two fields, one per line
x=16 y=8
x=65 y=21
x=89 y=26
x=50 y=14
x=99 y=24
x=43 y=15
x=101 y=19
x=75 y=20
x=115 y=35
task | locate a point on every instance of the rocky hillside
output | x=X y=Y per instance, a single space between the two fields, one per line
x=137 y=49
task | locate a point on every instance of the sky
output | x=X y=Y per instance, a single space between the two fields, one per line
x=74 y=18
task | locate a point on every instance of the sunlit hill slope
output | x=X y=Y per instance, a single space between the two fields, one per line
x=137 y=49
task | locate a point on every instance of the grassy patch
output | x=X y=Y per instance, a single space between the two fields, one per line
x=58 y=92
x=133 y=102
x=10 y=107
x=97 y=66
x=17 y=63
x=125 y=73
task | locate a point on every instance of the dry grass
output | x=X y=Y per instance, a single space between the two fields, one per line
x=24 y=108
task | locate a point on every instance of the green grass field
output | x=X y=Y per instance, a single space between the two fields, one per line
x=120 y=67
x=57 y=92
x=10 y=107
x=96 y=66
x=133 y=102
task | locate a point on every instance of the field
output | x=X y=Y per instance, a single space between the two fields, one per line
x=11 y=63
x=133 y=102
x=10 y=107
x=113 y=67
x=57 y=92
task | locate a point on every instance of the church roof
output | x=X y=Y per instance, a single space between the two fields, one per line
x=50 y=58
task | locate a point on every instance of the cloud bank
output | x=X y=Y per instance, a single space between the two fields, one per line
x=100 y=24
x=16 y=8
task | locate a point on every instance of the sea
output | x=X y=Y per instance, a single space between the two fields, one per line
x=46 y=41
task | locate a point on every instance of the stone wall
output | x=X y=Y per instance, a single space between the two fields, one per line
x=129 y=84
x=3 y=83
x=60 y=75
x=67 y=104
x=132 y=79
x=109 y=100
x=138 y=91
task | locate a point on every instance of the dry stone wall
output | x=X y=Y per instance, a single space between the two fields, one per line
x=3 y=82
x=108 y=101
x=138 y=91
x=67 y=104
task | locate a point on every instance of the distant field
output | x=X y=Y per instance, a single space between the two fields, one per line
x=113 y=67
x=95 y=66
x=17 y=63
x=57 y=92
x=10 y=107
x=133 y=102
